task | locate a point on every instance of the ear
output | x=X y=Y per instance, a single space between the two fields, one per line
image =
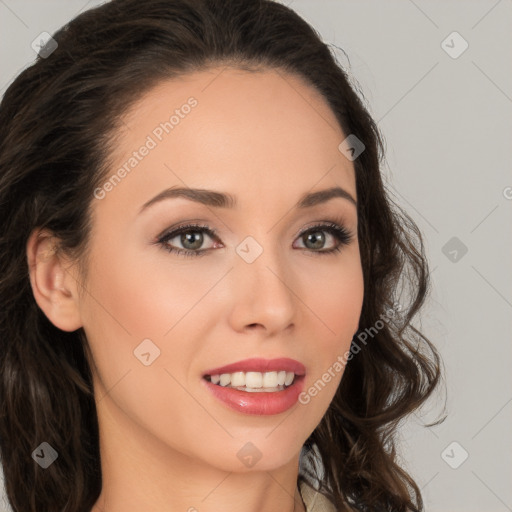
x=53 y=282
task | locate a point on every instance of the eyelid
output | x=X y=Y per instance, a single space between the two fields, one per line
x=190 y=224
x=184 y=228
x=335 y=222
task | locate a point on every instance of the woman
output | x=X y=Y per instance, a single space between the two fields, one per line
x=201 y=272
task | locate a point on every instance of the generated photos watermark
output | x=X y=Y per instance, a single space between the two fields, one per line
x=342 y=360
x=157 y=135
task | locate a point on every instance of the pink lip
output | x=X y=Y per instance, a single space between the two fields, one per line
x=264 y=403
x=260 y=365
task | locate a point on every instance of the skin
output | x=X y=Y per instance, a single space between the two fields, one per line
x=166 y=443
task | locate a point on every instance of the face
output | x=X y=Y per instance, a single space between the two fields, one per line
x=258 y=275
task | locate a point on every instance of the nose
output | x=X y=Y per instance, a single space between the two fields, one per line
x=262 y=294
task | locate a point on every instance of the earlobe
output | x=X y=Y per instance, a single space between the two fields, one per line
x=53 y=284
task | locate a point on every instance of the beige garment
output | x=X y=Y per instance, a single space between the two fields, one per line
x=315 y=501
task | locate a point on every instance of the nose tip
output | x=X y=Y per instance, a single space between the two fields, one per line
x=264 y=300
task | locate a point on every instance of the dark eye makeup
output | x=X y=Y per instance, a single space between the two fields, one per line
x=343 y=236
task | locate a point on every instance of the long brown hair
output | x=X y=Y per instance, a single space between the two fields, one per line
x=57 y=122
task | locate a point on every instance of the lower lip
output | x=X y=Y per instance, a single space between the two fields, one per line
x=260 y=403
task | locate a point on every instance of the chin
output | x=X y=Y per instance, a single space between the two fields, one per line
x=255 y=456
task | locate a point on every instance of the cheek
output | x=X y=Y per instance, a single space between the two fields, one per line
x=334 y=294
x=138 y=316
x=147 y=296
x=132 y=310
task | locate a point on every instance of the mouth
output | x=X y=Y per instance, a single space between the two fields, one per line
x=255 y=382
x=257 y=386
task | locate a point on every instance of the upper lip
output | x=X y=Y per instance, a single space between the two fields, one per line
x=260 y=365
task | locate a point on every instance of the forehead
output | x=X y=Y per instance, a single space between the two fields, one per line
x=228 y=128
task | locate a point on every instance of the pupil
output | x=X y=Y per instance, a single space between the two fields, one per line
x=190 y=238
x=317 y=238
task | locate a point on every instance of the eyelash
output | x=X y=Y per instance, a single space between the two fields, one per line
x=343 y=236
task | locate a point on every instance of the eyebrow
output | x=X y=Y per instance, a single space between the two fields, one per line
x=223 y=200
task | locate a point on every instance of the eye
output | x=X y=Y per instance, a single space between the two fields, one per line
x=314 y=237
x=191 y=238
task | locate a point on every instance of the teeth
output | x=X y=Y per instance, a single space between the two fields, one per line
x=225 y=379
x=254 y=380
x=289 y=378
x=269 y=380
x=237 y=379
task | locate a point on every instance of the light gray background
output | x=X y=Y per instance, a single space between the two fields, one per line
x=448 y=130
